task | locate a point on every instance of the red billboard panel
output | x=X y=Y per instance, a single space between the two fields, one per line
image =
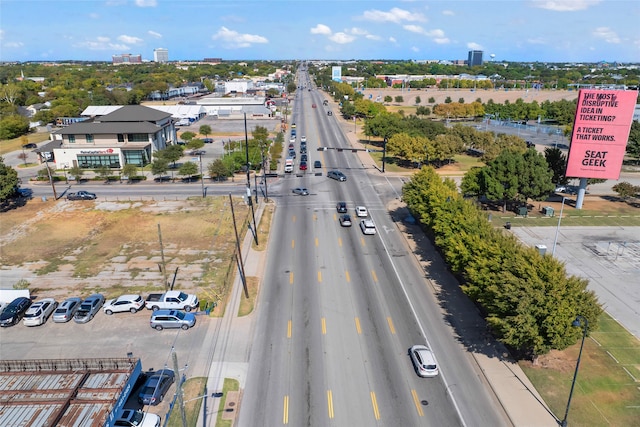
x=600 y=133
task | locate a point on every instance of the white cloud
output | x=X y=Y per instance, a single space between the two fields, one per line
x=341 y=38
x=358 y=31
x=154 y=34
x=146 y=3
x=392 y=39
x=321 y=29
x=565 y=5
x=102 y=43
x=94 y=16
x=537 y=40
x=415 y=49
x=448 y=12
x=442 y=40
x=394 y=15
x=373 y=37
x=236 y=40
x=129 y=39
x=414 y=28
x=607 y=34
x=474 y=46
x=12 y=45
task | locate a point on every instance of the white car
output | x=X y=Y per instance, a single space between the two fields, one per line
x=303 y=138
x=423 y=360
x=361 y=211
x=367 y=226
x=132 y=418
x=132 y=303
x=39 y=312
x=292 y=140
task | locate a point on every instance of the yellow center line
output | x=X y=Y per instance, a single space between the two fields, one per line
x=293 y=244
x=330 y=403
x=293 y=219
x=285 y=412
x=376 y=411
x=390 y=322
x=324 y=326
x=291 y=277
x=374 y=276
x=289 y=329
x=319 y=276
x=416 y=401
x=315 y=217
x=358 y=329
x=347 y=276
x=362 y=241
x=339 y=242
x=316 y=242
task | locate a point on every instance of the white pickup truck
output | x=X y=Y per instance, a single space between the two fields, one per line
x=172 y=300
x=288 y=165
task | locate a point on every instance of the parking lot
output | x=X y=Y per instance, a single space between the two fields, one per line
x=113 y=336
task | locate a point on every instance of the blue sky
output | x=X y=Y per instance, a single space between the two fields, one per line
x=512 y=30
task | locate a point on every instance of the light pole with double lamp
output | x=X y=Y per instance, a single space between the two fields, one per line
x=579 y=321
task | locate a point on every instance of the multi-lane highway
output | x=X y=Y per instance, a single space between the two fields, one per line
x=338 y=310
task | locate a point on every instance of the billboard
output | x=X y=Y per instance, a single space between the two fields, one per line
x=336 y=74
x=600 y=133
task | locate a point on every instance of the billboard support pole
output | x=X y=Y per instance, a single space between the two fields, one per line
x=582 y=189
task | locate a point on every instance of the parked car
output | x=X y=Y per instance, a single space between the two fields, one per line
x=66 y=310
x=39 y=312
x=345 y=220
x=317 y=164
x=172 y=319
x=207 y=140
x=424 y=361
x=361 y=211
x=198 y=152
x=131 y=303
x=367 y=226
x=30 y=145
x=337 y=175
x=14 y=311
x=88 y=308
x=133 y=418
x=300 y=191
x=24 y=192
x=341 y=207
x=156 y=386
x=81 y=195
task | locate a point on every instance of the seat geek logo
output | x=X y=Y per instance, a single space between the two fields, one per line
x=600 y=133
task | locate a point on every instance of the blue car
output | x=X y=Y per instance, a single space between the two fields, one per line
x=156 y=386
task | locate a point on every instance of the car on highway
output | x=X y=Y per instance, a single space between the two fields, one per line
x=131 y=303
x=300 y=191
x=317 y=164
x=14 y=311
x=156 y=386
x=367 y=226
x=171 y=319
x=292 y=139
x=424 y=361
x=39 y=312
x=345 y=220
x=341 y=207
x=329 y=113
x=292 y=154
x=313 y=105
x=66 y=310
x=361 y=211
x=81 y=195
x=303 y=166
x=304 y=157
x=88 y=309
x=303 y=139
x=137 y=418
x=337 y=175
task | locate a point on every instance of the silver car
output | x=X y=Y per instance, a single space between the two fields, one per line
x=161 y=319
x=89 y=308
x=66 y=310
x=39 y=312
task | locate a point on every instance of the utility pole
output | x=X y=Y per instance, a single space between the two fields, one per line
x=163 y=267
x=239 y=255
x=179 y=382
x=53 y=186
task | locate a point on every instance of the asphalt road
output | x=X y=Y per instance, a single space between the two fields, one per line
x=338 y=311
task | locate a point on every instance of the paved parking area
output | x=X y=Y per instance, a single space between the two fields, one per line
x=609 y=257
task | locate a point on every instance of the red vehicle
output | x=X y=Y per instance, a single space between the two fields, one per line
x=313 y=105
x=303 y=166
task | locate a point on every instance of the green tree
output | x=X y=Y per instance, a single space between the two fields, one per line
x=130 y=171
x=187 y=136
x=103 y=172
x=633 y=145
x=418 y=100
x=13 y=126
x=195 y=144
x=388 y=98
x=171 y=154
x=557 y=162
x=432 y=100
x=626 y=190
x=205 y=130
x=8 y=181
x=217 y=169
x=159 y=166
x=76 y=172
x=423 y=111
x=291 y=87
x=188 y=169
x=470 y=185
x=399 y=99
x=448 y=100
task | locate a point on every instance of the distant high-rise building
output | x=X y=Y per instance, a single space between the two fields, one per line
x=160 y=55
x=126 y=58
x=475 y=58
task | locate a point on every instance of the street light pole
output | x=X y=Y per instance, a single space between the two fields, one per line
x=555 y=240
x=576 y=323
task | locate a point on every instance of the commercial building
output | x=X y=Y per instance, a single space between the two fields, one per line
x=475 y=58
x=60 y=392
x=128 y=135
x=160 y=55
x=126 y=58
